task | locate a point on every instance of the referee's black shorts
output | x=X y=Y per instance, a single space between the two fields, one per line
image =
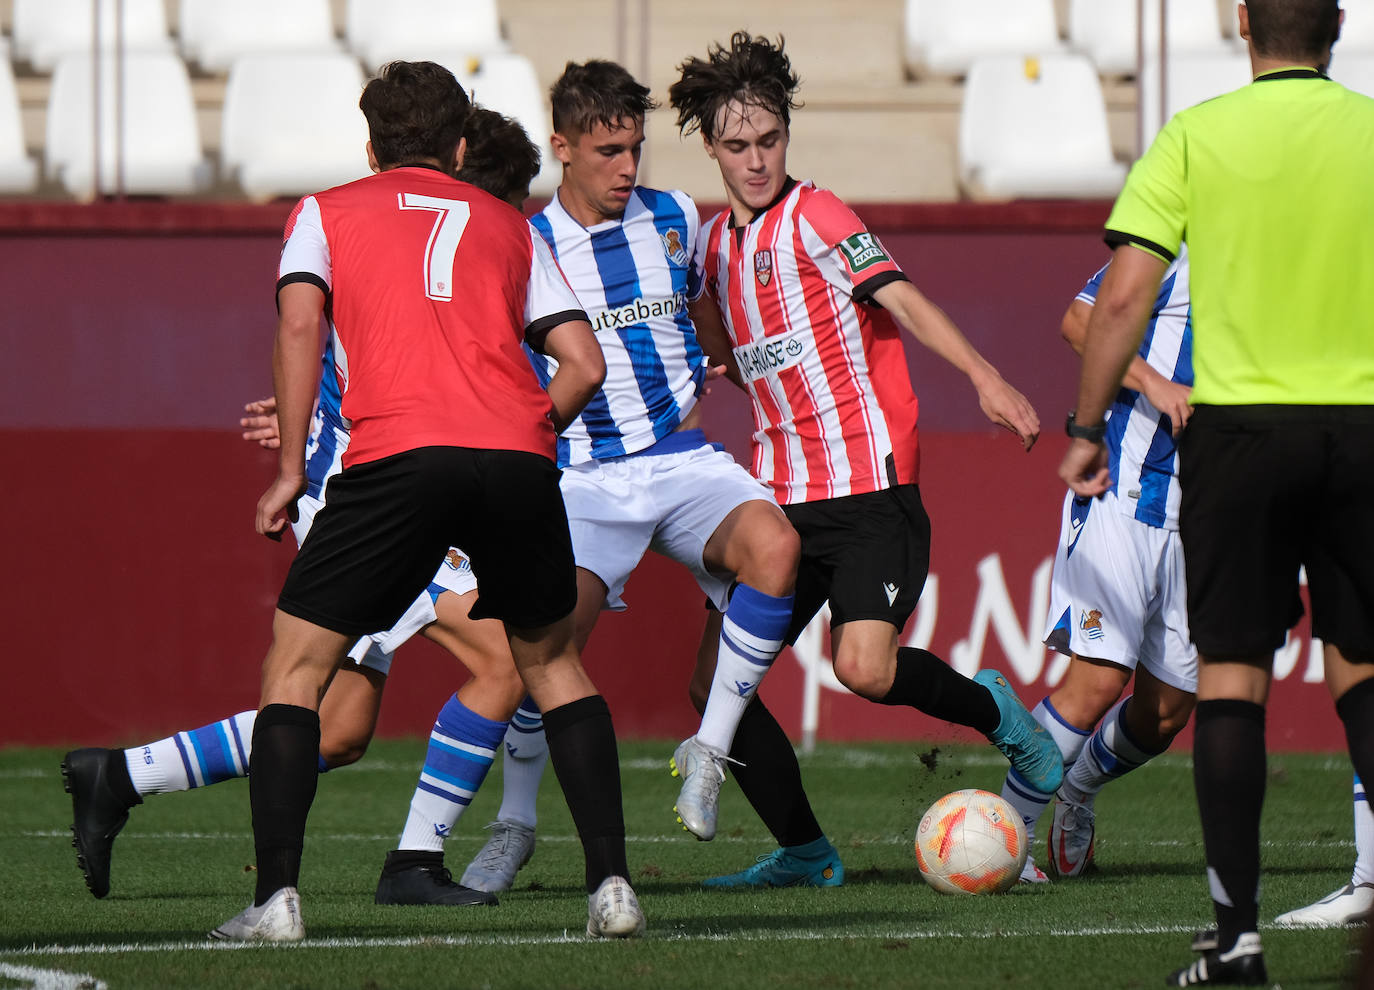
x=387 y=524
x=867 y=554
x=1267 y=490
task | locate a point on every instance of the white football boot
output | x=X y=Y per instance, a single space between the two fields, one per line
x=613 y=911
x=1353 y=902
x=279 y=920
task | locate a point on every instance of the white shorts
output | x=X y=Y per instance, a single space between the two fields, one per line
x=375 y=651
x=668 y=503
x=1118 y=592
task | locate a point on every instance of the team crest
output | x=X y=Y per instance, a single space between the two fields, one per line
x=672 y=247
x=456 y=560
x=1091 y=624
x=763 y=266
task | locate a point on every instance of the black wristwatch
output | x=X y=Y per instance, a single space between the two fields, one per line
x=1078 y=431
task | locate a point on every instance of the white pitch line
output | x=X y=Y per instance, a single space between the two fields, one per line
x=51 y=979
x=894 y=840
x=564 y=938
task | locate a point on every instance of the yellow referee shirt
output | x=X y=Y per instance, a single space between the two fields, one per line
x=1272 y=186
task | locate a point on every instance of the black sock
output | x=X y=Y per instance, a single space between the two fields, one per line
x=771 y=778
x=582 y=747
x=926 y=683
x=1356 y=709
x=281 y=786
x=1229 y=767
x=117 y=773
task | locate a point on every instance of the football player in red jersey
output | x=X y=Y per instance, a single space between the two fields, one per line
x=805 y=307
x=413 y=270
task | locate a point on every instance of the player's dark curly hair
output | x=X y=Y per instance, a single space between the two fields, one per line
x=596 y=92
x=753 y=71
x=414 y=111
x=501 y=159
x=1298 y=30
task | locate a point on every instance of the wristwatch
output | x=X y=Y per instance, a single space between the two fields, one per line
x=1078 y=431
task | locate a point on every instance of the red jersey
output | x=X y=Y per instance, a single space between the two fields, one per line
x=431 y=285
x=834 y=412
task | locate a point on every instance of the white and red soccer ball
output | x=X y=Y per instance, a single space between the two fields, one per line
x=971 y=842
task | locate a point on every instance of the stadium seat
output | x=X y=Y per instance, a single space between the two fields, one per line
x=18 y=172
x=1357 y=33
x=148 y=138
x=1191 y=79
x=1105 y=31
x=1355 y=72
x=291 y=123
x=45 y=30
x=507 y=84
x=214 y=33
x=1035 y=127
x=943 y=37
x=382 y=30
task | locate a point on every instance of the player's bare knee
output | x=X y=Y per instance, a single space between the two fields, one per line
x=341 y=751
x=864 y=678
x=770 y=556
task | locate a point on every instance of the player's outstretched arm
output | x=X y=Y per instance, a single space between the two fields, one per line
x=925 y=321
x=260 y=423
x=295 y=363
x=1169 y=397
x=713 y=337
x=581 y=370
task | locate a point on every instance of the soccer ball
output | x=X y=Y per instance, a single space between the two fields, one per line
x=971 y=842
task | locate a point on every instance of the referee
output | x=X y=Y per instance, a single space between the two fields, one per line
x=1273 y=186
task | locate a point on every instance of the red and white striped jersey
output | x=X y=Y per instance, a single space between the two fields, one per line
x=834 y=412
x=431 y=285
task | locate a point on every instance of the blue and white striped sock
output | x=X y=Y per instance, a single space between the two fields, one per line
x=1109 y=754
x=750 y=638
x=522 y=765
x=1029 y=802
x=215 y=752
x=461 y=749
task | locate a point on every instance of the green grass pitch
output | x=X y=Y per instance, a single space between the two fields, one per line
x=183 y=865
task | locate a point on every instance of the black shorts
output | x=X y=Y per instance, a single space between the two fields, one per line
x=868 y=554
x=1267 y=490
x=387 y=524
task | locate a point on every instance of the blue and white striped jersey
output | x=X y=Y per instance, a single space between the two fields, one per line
x=1142 y=454
x=328 y=429
x=633 y=276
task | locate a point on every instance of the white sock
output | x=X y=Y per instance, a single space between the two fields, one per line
x=750 y=638
x=1029 y=802
x=207 y=755
x=522 y=766
x=1110 y=753
x=1364 y=837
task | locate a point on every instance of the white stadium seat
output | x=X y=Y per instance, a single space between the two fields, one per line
x=943 y=37
x=1105 y=31
x=214 y=33
x=382 y=30
x=18 y=172
x=1191 y=79
x=1357 y=33
x=1036 y=128
x=291 y=123
x=45 y=30
x=507 y=84
x=148 y=138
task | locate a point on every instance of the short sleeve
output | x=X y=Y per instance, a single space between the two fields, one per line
x=305 y=248
x=1088 y=294
x=693 y=218
x=1151 y=212
x=550 y=301
x=832 y=230
x=698 y=277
